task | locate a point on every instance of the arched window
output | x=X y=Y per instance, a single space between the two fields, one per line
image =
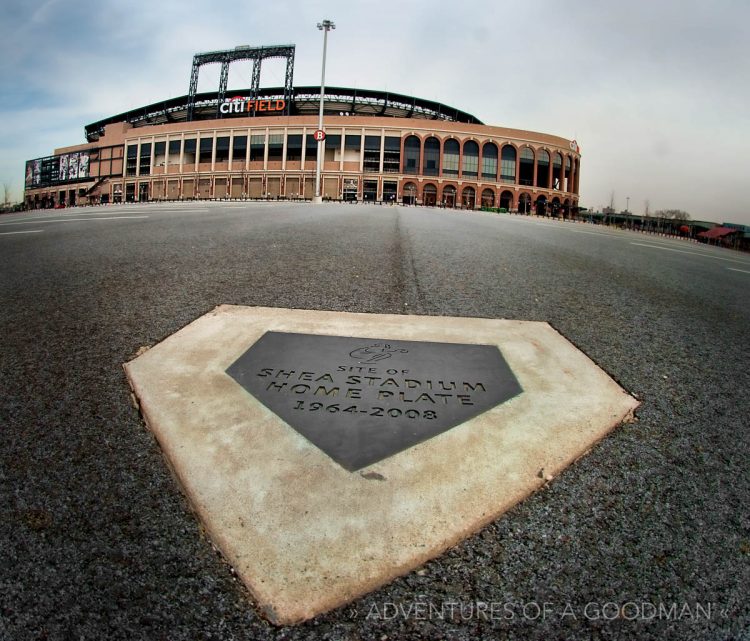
x=469 y=196
x=526 y=169
x=557 y=171
x=450 y=157
x=412 y=148
x=431 y=157
x=488 y=198
x=542 y=169
x=566 y=185
x=508 y=163
x=429 y=195
x=489 y=161
x=471 y=159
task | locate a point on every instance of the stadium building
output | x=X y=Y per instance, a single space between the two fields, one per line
x=259 y=143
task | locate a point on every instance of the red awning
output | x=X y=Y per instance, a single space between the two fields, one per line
x=717 y=232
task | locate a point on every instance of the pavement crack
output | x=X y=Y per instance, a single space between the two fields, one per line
x=405 y=270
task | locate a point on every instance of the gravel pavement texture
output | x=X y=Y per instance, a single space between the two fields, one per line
x=647 y=537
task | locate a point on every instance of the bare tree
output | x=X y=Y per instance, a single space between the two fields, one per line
x=6 y=193
x=672 y=214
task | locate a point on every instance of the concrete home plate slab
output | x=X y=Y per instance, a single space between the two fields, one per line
x=327 y=453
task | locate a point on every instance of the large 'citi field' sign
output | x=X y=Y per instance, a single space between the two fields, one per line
x=240 y=104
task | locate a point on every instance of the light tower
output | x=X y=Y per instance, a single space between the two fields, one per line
x=325 y=27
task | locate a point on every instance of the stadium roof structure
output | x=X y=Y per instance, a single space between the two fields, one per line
x=305 y=101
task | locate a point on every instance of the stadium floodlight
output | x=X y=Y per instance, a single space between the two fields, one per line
x=325 y=27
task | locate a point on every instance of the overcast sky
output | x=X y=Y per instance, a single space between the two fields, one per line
x=657 y=93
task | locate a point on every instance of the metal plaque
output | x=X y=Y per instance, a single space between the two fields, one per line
x=361 y=400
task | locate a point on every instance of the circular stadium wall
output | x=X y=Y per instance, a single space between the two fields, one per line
x=403 y=152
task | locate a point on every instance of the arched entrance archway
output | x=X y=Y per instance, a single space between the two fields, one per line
x=506 y=200
x=556 y=207
x=468 y=197
x=541 y=206
x=410 y=194
x=524 y=204
x=488 y=198
x=429 y=195
x=449 y=196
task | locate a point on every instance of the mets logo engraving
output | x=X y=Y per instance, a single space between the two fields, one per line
x=375 y=353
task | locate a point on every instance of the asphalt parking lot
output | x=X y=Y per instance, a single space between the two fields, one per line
x=647 y=537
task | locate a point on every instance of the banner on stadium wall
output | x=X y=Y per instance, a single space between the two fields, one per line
x=73 y=166
x=58 y=169
x=33 y=172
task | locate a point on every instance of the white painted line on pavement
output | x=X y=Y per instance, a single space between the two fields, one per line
x=622 y=234
x=69 y=220
x=732 y=269
x=682 y=251
x=71 y=215
x=28 y=231
x=592 y=233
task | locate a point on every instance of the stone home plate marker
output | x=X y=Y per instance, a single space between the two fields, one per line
x=362 y=400
x=327 y=453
